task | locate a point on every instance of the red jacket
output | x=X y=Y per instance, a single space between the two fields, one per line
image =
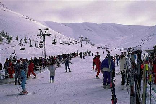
x=97 y=62
x=31 y=66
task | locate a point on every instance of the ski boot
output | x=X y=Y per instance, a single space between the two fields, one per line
x=23 y=93
x=97 y=77
x=108 y=86
x=104 y=86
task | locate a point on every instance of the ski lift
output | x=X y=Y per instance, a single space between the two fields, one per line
x=41 y=44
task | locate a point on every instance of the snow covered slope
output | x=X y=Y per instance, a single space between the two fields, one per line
x=22 y=26
x=114 y=36
x=109 y=34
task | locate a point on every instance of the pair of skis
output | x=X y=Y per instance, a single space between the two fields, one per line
x=112 y=84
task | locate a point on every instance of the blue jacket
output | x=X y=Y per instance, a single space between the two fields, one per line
x=104 y=64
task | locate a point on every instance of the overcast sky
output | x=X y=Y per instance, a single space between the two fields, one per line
x=95 y=11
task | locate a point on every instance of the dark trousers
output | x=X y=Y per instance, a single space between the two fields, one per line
x=123 y=77
x=51 y=77
x=106 y=77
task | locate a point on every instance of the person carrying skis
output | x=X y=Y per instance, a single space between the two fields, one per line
x=52 y=69
x=123 y=70
x=23 y=79
x=98 y=64
x=106 y=67
x=31 y=69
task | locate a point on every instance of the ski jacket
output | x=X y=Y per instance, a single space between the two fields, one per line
x=67 y=62
x=23 y=76
x=123 y=64
x=52 y=69
x=97 y=62
x=104 y=65
x=31 y=66
x=17 y=68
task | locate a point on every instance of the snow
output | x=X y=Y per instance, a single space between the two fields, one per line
x=77 y=87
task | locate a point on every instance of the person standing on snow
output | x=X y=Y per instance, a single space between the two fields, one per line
x=67 y=64
x=106 y=68
x=31 y=69
x=98 y=64
x=94 y=62
x=23 y=79
x=52 y=69
x=123 y=70
x=17 y=73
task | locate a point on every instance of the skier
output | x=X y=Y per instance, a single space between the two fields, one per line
x=94 y=62
x=17 y=73
x=117 y=59
x=31 y=69
x=23 y=78
x=67 y=64
x=52 y=69
x=10 y=69
x=123 y=70
x=6 y=65
x=105 y=69
x=98 y=64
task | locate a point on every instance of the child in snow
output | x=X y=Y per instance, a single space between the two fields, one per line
x=52 y=69
x=23 y=79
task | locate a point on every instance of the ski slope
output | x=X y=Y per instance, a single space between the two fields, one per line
x=77 y=87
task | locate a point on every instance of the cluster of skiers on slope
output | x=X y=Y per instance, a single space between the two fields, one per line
x=22 y=68
x=125 y=63
x=105 y=67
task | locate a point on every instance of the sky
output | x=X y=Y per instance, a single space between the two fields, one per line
x=96 y=11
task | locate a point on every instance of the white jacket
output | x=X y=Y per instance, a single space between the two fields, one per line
x=123 y=64
x=52 y=69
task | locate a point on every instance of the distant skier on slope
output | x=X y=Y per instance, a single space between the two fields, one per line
x=106 y=71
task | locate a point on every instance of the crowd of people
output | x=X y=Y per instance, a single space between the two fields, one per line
x=124 y=62
x=21 y=69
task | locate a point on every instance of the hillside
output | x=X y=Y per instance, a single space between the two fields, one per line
x=26 y=29
x=109 y=34
x=114 y=36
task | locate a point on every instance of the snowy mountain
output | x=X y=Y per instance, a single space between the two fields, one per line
x=79 y=86
x=24 y=27
x=109 y=34
x=114 y=36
